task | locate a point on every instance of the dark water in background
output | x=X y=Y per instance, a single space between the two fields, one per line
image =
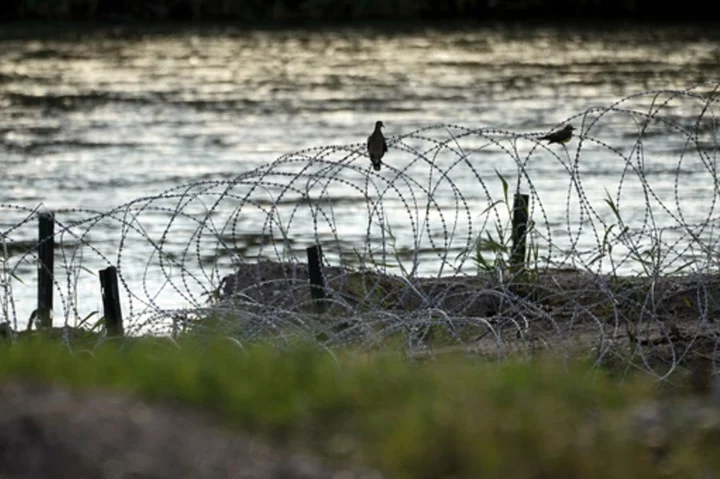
x=103 y=118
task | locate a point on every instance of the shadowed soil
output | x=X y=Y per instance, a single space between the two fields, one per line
x=564 y=307
x=48 y=432
x=563 y=292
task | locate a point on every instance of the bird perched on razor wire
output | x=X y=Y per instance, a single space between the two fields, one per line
x=377 y=146
x=560 y=136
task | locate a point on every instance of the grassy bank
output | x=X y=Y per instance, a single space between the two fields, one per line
x=451 y=418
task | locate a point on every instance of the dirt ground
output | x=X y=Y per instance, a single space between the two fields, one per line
x=564 y=292
x=671 y=317
x=48 y=432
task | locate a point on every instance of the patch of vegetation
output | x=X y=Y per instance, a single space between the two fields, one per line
x=449 y=418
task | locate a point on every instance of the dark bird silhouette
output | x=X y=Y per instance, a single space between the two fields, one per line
x=377 y=146
x=560 y=136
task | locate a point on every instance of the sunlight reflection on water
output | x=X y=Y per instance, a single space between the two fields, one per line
x=98 y=121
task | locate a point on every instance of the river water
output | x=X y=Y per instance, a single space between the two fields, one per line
x=93 y=119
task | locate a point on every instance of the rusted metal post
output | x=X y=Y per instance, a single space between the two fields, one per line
x=317 y=282
x=520 y=218
x=46 y=267
x=111 y=301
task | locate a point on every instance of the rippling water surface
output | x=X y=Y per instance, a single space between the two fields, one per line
x=99 y=118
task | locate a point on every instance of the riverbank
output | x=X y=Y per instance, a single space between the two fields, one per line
x=654 y=323
x=444 y=419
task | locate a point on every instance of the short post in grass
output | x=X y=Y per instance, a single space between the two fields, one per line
x=46 y=267
x=111 y=301
x=317 y=282
x=519 y=231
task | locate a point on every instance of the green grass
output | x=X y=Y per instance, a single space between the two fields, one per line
x=451 y=418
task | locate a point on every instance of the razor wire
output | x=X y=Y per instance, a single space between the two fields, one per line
x=621 y=259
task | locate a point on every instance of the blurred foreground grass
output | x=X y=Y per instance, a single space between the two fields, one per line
x=450 y=418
